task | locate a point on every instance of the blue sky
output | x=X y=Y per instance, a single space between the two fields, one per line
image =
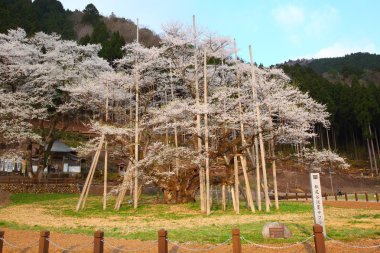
x=278 y=29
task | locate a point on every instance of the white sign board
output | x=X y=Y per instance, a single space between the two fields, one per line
x=316 y=194
x=74 y=169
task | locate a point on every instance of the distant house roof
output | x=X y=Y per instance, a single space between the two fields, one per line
x=59 y=146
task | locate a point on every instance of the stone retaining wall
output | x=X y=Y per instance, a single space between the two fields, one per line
x=39 y=188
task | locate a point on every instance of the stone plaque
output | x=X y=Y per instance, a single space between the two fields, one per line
x=277 y=232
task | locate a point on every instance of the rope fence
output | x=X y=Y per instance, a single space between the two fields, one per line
x=277 y=247
x=179 y=246
x=122 y=249
x=161 y=245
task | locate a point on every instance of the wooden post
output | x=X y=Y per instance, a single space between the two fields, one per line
x=44 y=242
x=336 y=197
x=356 y=196
x=1 y=241
x=287 y=196
x=377 y=197
x=366 y=196
x=236 y=246
x=162 y=241
x=306 y=196
x=319 y=240
x=99 y=242
x=296 y=195
x=325 y=196
x=345 y=196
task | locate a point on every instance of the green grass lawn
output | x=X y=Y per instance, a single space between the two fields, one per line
x=215 y=228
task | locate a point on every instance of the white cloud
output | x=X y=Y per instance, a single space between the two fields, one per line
x=290 y=16
x=299 y=23
x=321 y=20
x=341 y=49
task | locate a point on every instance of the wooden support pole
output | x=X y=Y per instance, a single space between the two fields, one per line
x=162 y=241
x=377 y=197
x=1 y=241
x=236 y=244
x=86 y=187
x=325 y=196
x=306 y=196
x=224 y=197
x=260 y=132
x=232 y=191
x=207 y=162
x=345 y=196
x=287 y=196
x=356 y=196
x=296 y=195
x=136 y=171
x=236 y=175
x=91 y=174
x=247 y=185
x=123 y=191
x=336 y=197
x=99 y=242
x=319 y=240
x=366 y=196
x=105 y=175
x=44 y=242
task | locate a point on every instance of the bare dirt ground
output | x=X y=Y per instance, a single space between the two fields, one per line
x=59 y=242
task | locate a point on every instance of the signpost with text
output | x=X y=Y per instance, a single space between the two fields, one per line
x=316 y=194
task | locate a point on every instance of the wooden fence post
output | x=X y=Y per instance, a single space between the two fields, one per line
x=296 y=195
x=44 y=242
x=336 y=197
x=356 y=196
x=236 y=245
x=377 y=197
x=162 y=241
x=345 y=196
x=366 y=196
x=319 y=240
x=287 y=196
x=306 y=195
x=1 y=241
x=99 y=242
x=325 y=196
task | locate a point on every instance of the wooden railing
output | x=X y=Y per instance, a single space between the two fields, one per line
x=355 y=196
